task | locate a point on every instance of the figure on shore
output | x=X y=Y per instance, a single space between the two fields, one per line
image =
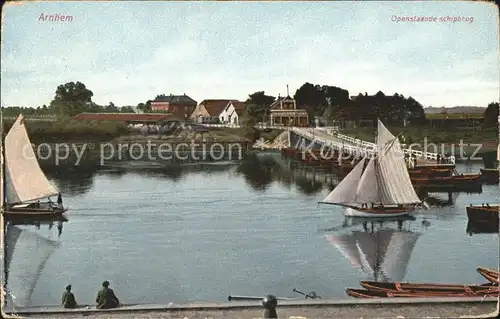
x=68 y=299
x=106 y=297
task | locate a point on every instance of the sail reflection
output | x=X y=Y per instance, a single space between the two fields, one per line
x=26 y=252
x=380 y=252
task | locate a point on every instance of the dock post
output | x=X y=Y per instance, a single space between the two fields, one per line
x=270 y=303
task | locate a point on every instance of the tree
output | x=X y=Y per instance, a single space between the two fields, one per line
x=71 y=98
x=257 y=106
x=127 y=109
x=111 y=108
x=321 y=100
x=491 y=115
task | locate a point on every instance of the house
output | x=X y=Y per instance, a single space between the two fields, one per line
x=232 y=113
x=208 y=111
x=284 y=112
x=180 y=105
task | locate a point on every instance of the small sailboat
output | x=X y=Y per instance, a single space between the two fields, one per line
x=383 y=188
x=24 y=182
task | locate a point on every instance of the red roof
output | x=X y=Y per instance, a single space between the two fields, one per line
x=215 y=107
x=121 y=117
x=239 y=107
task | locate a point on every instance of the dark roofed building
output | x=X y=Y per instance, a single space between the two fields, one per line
x=180 y=105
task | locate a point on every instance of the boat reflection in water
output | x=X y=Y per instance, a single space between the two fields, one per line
x=474 y=227
x=378 y=250
x=28 y=247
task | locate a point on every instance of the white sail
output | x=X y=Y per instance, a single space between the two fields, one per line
x=367 y=190
x=27 y=253
x=25 y=180
x=346 y=244
x=344 y=192
x=394 y=183
x=384 y=136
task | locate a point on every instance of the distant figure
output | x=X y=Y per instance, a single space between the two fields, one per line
x=106 y=298
x=439 y=159
x=68 y=299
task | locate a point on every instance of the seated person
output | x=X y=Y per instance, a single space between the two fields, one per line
x=106 y=297
x=68 y=299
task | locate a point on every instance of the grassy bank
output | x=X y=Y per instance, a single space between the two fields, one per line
x=250 y=133
x=420 y=134
x=70 y=131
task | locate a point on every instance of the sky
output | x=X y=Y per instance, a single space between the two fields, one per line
x=129 y=52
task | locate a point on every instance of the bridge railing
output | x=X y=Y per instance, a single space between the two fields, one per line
x=357 y=145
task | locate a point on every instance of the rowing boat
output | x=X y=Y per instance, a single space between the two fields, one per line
x=362 y=293
x=490 y=274
x=427 y=287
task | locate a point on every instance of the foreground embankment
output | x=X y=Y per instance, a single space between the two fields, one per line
x=391 y=308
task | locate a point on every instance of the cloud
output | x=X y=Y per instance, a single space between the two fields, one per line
x=212 y=50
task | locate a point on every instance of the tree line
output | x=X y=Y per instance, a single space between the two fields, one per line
x=327 y=102
x=70 y=99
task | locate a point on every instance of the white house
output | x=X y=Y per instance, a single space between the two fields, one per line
x=232 y=112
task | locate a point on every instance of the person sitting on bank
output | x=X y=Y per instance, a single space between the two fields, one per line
x=106 y=298
x=68 y=299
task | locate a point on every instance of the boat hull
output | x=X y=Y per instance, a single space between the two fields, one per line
x=362 y=293
x=428 y=287
x=490 y=274
x=447 y=181
x=490 y=175
x=484 y=215
x=376 y=212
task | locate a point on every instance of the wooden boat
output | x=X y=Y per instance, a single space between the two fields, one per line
x=447 y=180
x=430 y=172
x=362 y=293
x=22 y=194
x=490 y=175
x=490 y=274
x=383 y=188
x=427 y=287
x=484 y=214
x=435 y=166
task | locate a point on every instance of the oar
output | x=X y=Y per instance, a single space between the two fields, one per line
x=311 y=295
x=241 y=298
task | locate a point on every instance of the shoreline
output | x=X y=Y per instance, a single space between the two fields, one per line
x=408 y=307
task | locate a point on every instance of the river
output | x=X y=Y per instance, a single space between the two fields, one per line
x=203 y=232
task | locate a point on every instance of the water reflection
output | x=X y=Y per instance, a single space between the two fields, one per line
x=380 y=249
x=259 y=172
x=474 y=228
x=28 y=246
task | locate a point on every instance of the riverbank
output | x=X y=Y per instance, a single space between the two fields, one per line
x=388 y=308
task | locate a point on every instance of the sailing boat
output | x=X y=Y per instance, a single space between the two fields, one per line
x=24 y=182
x=384 y=183
x=382 y=253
